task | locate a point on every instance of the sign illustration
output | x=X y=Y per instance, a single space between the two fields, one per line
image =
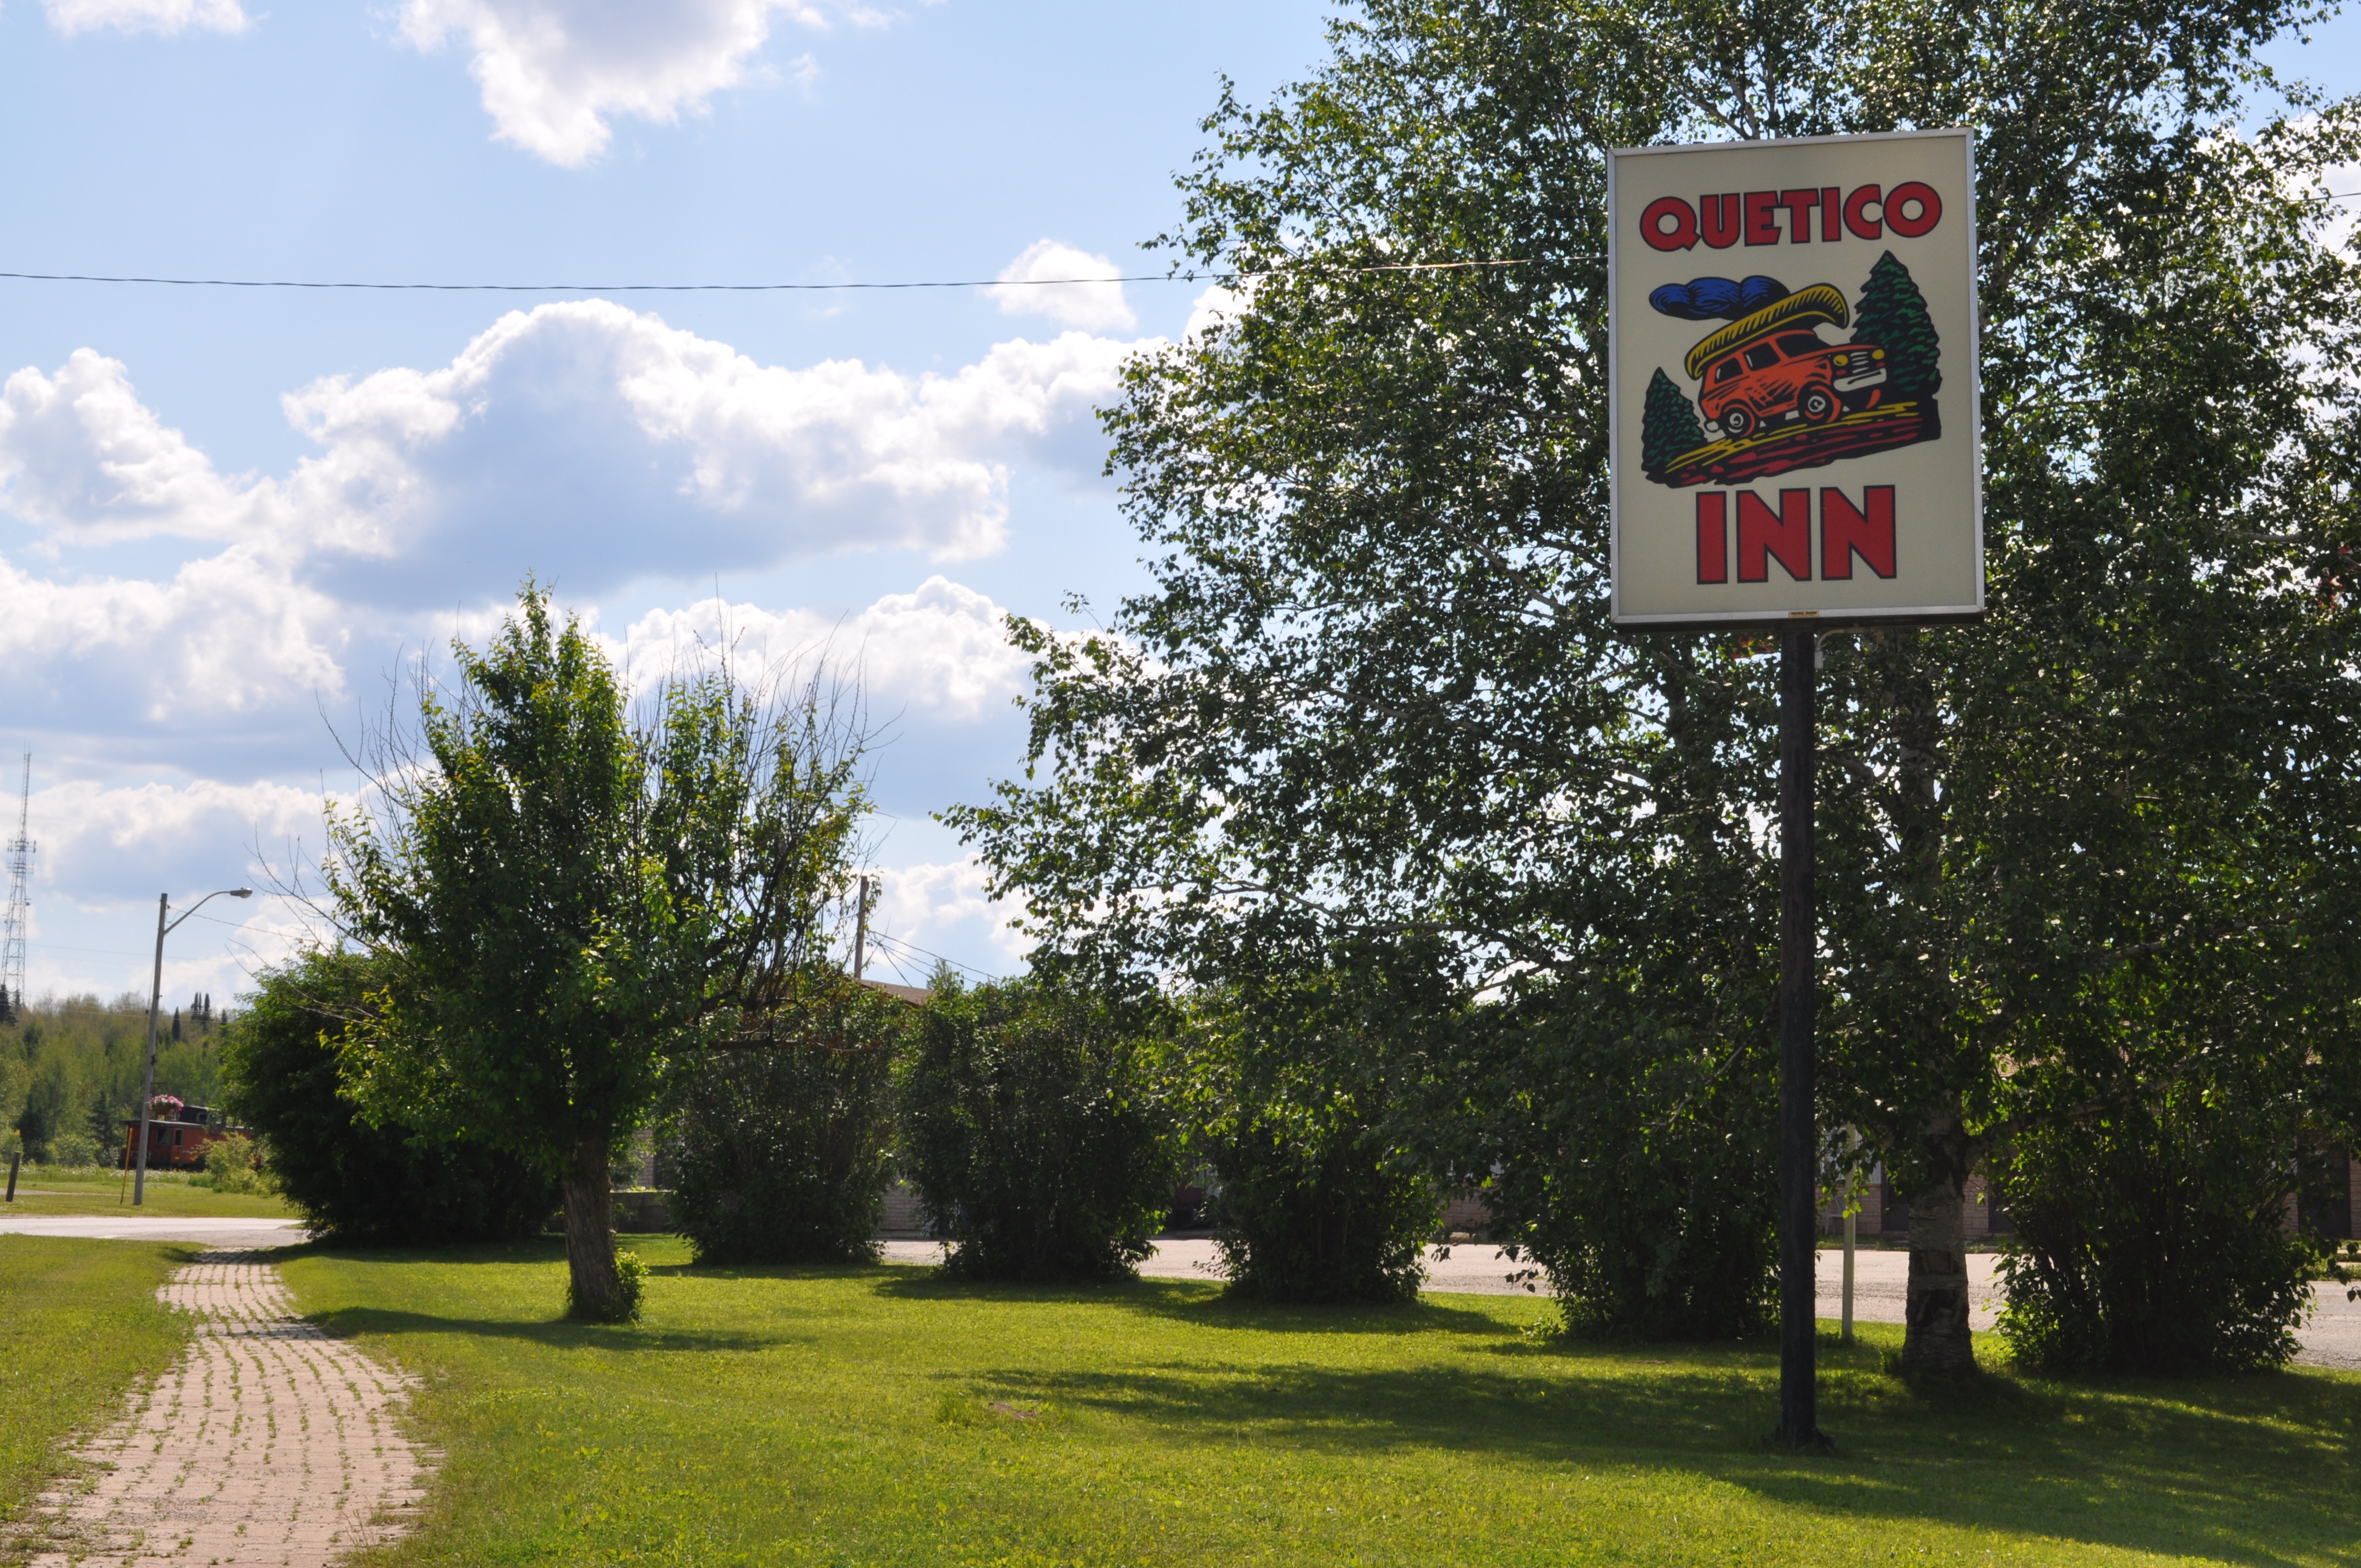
x=1821 y=373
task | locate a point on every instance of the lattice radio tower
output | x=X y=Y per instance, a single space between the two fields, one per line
x=20 y=908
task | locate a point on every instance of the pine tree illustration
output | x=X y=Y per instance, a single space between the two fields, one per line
x=1669 y=426
x=1894 y=317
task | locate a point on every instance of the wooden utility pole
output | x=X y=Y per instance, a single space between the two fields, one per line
x=861 y=929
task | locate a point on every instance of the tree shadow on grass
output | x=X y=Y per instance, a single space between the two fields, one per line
x=2256 y=1470
x=1199 y=1304
x=559 y=1333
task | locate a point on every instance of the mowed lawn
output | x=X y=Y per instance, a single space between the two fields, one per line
x=883 y=1416
x=169 y=1193
x=79 y=1326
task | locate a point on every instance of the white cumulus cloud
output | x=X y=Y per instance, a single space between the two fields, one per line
x=167 y=16
x=1218 y=307
x=83 y=457
x=582 y=441
x=101 y=845
x=601 y=444
x=226 y=634
x=554 y=71
x=1069 y=286
x=939 y=651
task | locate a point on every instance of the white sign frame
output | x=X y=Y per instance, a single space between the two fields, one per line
x=1622 y=407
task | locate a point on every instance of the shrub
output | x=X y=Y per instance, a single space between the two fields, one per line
x=73 y=1150
x=1029 y=1134
x=2152 y=1238
x=384 y=1186
x=783 y=1144
x=1285 y=1099
x=1336 y=1217
x=234 y=1164
x=622 y=1306
x=1632 y=1164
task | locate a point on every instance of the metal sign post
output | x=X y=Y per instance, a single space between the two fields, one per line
x=1799 y=1166
x=1795 y=437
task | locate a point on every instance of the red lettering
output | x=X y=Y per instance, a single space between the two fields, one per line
x=1762 y=223
x=1845 y=532
x=1799 y=206
x=1902 y=221
x=1682 y=235
x=1720 y=220
x=1787 y=536
x=1831 y=227
x=1713 y=538
x=1856 y=214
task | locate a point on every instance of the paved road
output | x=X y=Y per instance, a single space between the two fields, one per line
x=226 y=1232
x=1481 y=1270
x=2330 y=1338
x=1879 y=1278
x=268 y=1446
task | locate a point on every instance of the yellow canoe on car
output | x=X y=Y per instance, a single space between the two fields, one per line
x=1804 y=307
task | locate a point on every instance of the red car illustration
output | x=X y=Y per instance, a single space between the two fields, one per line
x=1767 y=368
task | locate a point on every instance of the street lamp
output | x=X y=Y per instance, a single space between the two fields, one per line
x=155 y=998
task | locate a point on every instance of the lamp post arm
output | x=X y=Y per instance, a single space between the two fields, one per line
x=200 y=903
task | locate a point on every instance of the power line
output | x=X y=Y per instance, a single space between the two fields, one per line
x=896 y=941
x=717 y=287
x=1187 y=277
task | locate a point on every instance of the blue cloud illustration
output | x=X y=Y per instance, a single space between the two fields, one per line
x=1717 y=299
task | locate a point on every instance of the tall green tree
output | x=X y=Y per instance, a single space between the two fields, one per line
x=571 y=902
x=1371 y=708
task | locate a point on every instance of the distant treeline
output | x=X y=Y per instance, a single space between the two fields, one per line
x=70 y=1071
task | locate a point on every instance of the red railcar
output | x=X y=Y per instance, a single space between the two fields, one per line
x=177 y=1136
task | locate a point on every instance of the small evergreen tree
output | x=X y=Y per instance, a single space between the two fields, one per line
x=1894 y=317
x=1669 y=425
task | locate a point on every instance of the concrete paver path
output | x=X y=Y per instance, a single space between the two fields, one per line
x=268 y=1445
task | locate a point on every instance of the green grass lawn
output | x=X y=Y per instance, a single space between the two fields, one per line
x=50 y=1191
x=882 y=1416
x=79 y=1324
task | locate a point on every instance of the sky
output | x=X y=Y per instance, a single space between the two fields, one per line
x=229 y=518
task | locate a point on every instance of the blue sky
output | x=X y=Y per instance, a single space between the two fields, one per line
x=226 y=513
x=196 y=573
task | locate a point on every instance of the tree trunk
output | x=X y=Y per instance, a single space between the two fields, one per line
x=1935 y=1312
x=590 y=1229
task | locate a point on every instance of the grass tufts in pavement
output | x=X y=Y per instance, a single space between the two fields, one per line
x=881 y=1415
x=79 y=1325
